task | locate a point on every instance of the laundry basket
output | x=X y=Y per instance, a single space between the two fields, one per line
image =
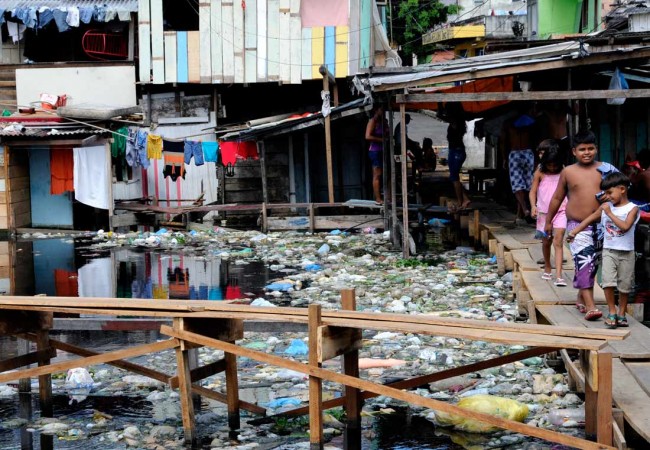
x=105 y=46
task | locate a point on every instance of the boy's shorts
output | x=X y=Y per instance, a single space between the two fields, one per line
x=586 y=249
x=618 y=269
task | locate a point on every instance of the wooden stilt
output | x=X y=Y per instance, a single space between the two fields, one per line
x=476 y=231
x=597 y=368
x=25 y=384
x=185 y=386
x=232 y=391
x=44 y=381
x=312 y=226
x=315 y=383
x=353 y=401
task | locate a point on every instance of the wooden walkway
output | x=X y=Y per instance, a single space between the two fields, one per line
x=543 y=302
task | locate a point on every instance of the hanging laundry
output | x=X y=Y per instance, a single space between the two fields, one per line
x=45 y=16
x=131 y=153
x=99 y=14
x=60 y=18
x=142 y=289
x=210 y=151
x=174 y=158
x=2 y=15
x=26 y=16
x=95 y=278
x=124 y=16
x=160 y=292
x=91 y=176
x=16 y=31
x=234 y=150
x=110 y=15
x=193 y=149
x=73 y=16
x=154 y=146
x=86 y=13
x=233 y=293
x=65 y=283
x=118 y=146
x=61 y=170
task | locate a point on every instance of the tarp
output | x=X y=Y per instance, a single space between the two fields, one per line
x=497 y=84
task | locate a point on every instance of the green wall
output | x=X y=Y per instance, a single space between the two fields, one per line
x=558 y=17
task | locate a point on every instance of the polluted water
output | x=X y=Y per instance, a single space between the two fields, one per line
x=107 y=407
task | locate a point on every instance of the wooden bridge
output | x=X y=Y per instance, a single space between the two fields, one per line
x=331 y=334
x=544 y=303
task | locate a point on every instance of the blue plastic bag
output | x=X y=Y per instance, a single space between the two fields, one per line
x=297 y=348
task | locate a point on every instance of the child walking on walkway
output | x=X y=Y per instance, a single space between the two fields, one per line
x=544 y=184
x=618 y=217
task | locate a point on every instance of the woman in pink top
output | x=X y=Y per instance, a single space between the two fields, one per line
x=544 y=184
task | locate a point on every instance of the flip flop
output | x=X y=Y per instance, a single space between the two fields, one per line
x=622 y=321
x=581 y=308
x=611 y=320
x=547 y=276
x=560 y=282
x=593 y=314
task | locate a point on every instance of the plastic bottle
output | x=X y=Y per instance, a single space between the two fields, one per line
x=559 y=416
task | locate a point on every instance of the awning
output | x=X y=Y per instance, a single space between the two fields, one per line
x=297 y=122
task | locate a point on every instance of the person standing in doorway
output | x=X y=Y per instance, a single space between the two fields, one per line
x=455 y=132
x=376 y=133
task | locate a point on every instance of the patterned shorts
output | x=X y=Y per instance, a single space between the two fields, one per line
x=521 y=164
x=586 y=248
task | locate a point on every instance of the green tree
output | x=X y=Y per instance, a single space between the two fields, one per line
x=413 y=18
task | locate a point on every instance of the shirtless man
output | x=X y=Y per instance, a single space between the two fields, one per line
x=580 y=182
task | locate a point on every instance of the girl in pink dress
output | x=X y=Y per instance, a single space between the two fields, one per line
x=544 y=184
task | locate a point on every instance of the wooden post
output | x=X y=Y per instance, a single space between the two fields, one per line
x=390 y=183
x=232 y=391
x=315 y=383
x=597 y=367
x=328 y=138
x=405 y=199
x=44 y=381
x=477 y=227
x=185 y=386
x=262 y=151
x=265 y=224
x=353 y=401
x=312 y=225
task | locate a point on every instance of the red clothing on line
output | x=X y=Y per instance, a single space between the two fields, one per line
x=61 y=170
x=232 y=151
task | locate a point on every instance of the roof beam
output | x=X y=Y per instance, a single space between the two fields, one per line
x=567 y=63
x=521 y=96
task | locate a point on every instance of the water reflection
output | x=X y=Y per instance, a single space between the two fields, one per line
x=70 y=268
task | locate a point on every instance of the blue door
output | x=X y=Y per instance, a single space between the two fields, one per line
x=48 y=211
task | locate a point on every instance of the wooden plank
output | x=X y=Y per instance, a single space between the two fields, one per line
x=317 y=51
x=573 y=368
x=262 y=40
x=365 y=30
x=354 y=38
x=194 y=56
x=631 y=399
x=170 y=57
x=185 y=387
x=285 y=41
x=324 y=222
x=227 y=41
x=216 y=38
x=539 y=289
x=506 y=239
x=44 y=379
x=27 y=359
x=306 y=54
x=295 y=33
x=407 y=397
x=350 y=367
x=205 y=42
x=635 y=346
x=598 y=397
x=238 y=41
x=201 y=373
x=250 y=41
x=274 y=43
x=232 y=390
x=89 y=361
x=144 y=40
x=157 y=42
x=641 y=372
x=315 y=383
x=522 y=257
x=336 y=341
x=182 y=70
x=342 y=55
x=14 y=322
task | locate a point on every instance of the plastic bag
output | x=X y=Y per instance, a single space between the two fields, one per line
x=617 y=83
x=78 y=378
x=487 y=404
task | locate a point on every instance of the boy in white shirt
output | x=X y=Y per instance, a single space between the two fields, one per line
x=618 y=218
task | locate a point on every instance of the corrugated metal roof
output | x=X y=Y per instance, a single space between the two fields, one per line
x=47 y=132
x=119 y=5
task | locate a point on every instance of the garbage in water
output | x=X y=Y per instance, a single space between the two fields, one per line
x=486 y=404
